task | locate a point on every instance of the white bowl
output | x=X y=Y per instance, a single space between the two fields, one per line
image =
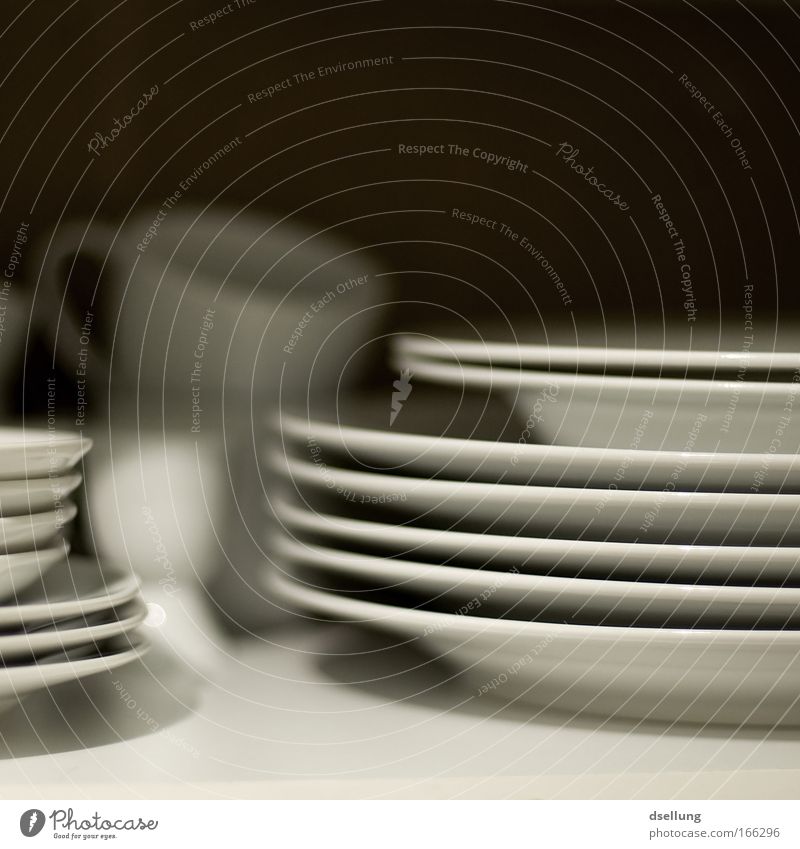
x=19 y=570
x=610 y=411
x=36 y=495
x=35 y=452
x=23 y=533
x=705 y=676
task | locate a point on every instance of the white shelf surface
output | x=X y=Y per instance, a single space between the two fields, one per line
x=328 y=712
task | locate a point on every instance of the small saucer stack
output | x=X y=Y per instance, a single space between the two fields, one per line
x=62 y=617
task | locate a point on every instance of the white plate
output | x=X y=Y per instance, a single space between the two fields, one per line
x=533 y=596
x=611 y=411
x=705 y=676
x=61 y=636
x=569 y=357
x=523 y=462
x=537 y=555
x=48 y=671
x=78 y=589
x=35 y=452
x=35 y=495
x=622 y=514
x=22 y=533
x=17 y=571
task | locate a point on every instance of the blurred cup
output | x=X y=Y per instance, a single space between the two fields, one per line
x=195 y=299
x=198 y=323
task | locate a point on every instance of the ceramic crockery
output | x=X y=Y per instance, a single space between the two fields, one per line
x=694 y=675
x=708 y=564
x=521 y=596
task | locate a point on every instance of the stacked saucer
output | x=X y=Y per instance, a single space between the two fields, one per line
x=61 y=617
x=640 y=559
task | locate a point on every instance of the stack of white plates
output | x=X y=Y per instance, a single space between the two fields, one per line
x=61 y=617
x=632 y=551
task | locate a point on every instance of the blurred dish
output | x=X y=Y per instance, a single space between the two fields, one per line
x=17 y=571
x=28 y=452
x=58 y=636
x=18 y=679
x=35 y=495
x=22 y=533
x=705 y=676
x=80 y=588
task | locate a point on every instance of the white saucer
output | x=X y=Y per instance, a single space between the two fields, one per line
x=625 y=515
x=17 y=571
x=35 y=495
x=524 y=462
x=61 y=636
x=35 y=452
x=78 y=589
x=577 y=357
x=703 y=676
x=17 y=680
x=709 y=564
x=533 y=596
x=613 y=411
x=23 y=533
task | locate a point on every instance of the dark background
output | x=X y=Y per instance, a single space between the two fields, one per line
x=603 y=76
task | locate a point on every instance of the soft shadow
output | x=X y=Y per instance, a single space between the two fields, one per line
x=375 y=663
x=142 y=698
